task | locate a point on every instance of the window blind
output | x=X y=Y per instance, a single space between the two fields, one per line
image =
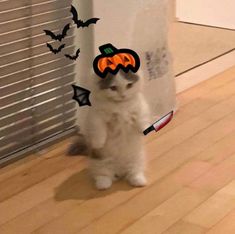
x=35 y=85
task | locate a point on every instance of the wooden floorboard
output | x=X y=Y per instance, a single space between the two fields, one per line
x=32 y=175
x=191 y=176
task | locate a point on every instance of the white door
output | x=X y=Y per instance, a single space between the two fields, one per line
x=208 y=12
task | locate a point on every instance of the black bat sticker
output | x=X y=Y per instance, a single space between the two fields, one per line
x=81 y=95
x=58 y=37
x=55 y=51
x=73 y=57
x=81 y=23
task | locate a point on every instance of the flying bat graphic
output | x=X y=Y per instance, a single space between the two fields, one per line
x=79 y=22
x=159 y=124
x=81 y=95
x=55 y=51
x=58 y=37
x=73 y=57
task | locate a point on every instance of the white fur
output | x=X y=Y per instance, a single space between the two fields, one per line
x=114 y=126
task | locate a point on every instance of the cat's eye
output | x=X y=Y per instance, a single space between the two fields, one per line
x=113 y=88
x=129 y=85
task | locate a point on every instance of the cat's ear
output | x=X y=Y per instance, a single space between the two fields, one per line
x=141 y=76
x=140 y=73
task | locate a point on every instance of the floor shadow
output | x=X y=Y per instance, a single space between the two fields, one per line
x=80 y=186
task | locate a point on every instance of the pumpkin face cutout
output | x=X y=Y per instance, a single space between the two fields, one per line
x=113 y=59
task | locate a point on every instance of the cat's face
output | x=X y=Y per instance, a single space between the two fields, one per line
x=120 y=87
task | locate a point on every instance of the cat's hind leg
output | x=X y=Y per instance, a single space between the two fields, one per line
x=101 y=172
x=103 y=182
x=137 y=180
x=135 y=174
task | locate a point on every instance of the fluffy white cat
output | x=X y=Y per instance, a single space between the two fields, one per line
x=114 y=130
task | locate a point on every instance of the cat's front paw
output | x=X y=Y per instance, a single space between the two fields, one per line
x=103 y=182
x=137 y=180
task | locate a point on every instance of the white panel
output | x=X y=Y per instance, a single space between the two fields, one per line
x=140 y=25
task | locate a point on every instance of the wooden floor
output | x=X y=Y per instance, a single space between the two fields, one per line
x=191 y=179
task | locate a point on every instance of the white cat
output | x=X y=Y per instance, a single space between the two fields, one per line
x=114 y=130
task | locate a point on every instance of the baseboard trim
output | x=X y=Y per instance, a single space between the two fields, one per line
x=205 y=71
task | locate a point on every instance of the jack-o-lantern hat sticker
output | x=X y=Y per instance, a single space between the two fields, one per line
x=112 y=60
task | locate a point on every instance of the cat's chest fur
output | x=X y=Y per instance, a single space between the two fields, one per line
x=125 y=118
x=121 y=125
x=121 y=116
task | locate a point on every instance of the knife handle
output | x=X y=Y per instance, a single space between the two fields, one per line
x=148 y=130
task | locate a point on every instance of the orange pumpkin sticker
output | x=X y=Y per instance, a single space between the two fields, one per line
x=112 y=60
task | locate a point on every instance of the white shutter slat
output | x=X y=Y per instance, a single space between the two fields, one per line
x=34 y=10
x=12 y=4
x=33 y=103
x=35 y=61
x=38 y=81
x=35 y=84
x=41 y=78
x=26 y=122
x=33 y=20
x=37 y=71
x=23 y=134
x=43 y=135
x=27 y=91
x=34 y=51
x=21 y=44
x=29 y=32
x=41 y=110
x=53 y=117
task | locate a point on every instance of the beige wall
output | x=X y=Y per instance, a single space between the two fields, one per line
x=210 y=12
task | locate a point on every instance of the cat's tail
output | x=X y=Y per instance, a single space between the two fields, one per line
x=78 y=147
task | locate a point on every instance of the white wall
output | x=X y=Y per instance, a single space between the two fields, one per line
x=209 y=12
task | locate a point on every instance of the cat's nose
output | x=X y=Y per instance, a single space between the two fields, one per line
x=123 y=95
